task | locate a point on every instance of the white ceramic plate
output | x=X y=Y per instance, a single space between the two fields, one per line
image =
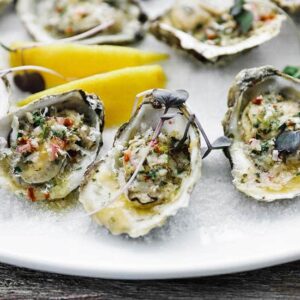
x=222 y=231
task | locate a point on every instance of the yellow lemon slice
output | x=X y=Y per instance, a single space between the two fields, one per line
x=117 y=89
x=75 y=61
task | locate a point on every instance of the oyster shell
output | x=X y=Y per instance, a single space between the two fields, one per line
x=208 y=31
x=47 y=146
x=165 y=180
x=291 y=6
x=51 y=20
x=4 y=96
x=263 y=120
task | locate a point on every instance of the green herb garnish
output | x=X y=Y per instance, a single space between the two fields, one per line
x=17 y=170
x=59 y=134
x=152 y=174
x=38 y=119
x=242 y=16
x=265 y=146
x=292 y=71
x=46 y=131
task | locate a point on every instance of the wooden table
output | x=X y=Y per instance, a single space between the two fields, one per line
x=282 y=282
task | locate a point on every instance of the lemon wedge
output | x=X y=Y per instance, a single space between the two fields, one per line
x=75 y=61
x=117 y=89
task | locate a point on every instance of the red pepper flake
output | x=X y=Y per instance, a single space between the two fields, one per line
x=269 y=17
x=22 y=140
x=127 y=156
x=156 y=149
x=258 y=100
x=59 y=142
x=68 y=122
x=47 y=196
x=69 y=30
x=30 y=194
x=210 y=34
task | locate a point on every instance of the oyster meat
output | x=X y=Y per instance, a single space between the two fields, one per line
x=167 y=166
x=49 y=20
x=291 y=6
x=212 y=30
x=47 y=146
x=263 y=121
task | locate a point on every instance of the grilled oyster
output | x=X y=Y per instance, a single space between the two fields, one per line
x=291 y=6
x=47 y=146
x=51 y=20
x=212 y=30
x=263 y=121
x=151 y=169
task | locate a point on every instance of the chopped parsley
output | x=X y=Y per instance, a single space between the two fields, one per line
x=17 y=170
x=242 y=16
x=60 y=134
x=292 y=71
x=38 y=119
x=46 y=131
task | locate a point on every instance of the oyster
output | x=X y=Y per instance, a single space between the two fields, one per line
x=150 y=171
x=47 y=146
x=263 y=120
x=212 y=30
x=291 y=6
x=58 y=19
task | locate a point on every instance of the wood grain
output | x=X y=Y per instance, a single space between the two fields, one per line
x=282 y=282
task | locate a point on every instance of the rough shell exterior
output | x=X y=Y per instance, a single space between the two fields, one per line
x=210 y=53
x=29 y=19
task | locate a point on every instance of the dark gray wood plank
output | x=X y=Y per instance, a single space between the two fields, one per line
x=282 y=282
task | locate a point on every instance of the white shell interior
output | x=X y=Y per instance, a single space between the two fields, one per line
x=211 y=52
x=241 y=163
x=97 y=194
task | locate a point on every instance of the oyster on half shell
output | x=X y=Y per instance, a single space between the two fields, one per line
x=165 y=177
x=47 y=146
x=263 y=121
x=49 y=20
x=208 y=30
